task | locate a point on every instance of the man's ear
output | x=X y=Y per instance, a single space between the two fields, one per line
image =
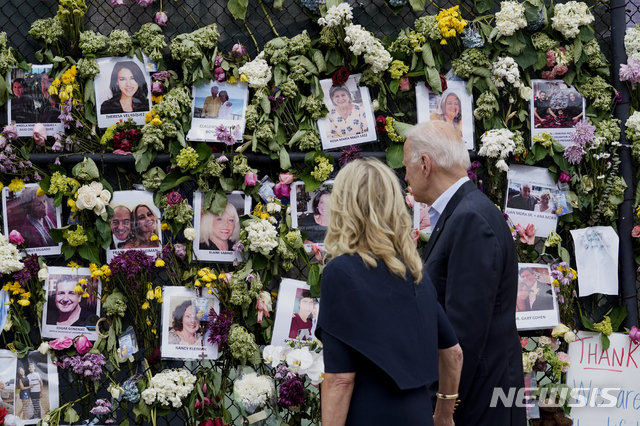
x=425 y=165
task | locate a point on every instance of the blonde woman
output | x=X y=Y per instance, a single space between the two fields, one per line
x=385 y=336
x=220 y=232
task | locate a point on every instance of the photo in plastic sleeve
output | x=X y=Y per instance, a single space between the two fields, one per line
x=350 y=119
x=135 y=220
x=36 y=381
x=4 y=307
x=217 y=234
x=122 y=91
x=8 y=384
x=555 y=108
x=536 y=304
x=218 y=112
x=296 y=313
x=31 y=102
x=454 y=106
x=68 y=312
x=184 y=324
x=421 y=218
x=533 y=198
x=33 y=216
x=310 y=212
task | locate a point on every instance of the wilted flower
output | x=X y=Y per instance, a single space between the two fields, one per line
x=250 y=179
x=39 y=134
x=161 y=18
x=238 y=50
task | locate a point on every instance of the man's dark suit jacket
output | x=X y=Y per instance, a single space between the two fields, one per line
x=471 y=259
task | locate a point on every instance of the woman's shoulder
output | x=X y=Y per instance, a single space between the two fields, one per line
x=110 y=106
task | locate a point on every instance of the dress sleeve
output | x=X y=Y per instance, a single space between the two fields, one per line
x=338 y=356
x=446 y=335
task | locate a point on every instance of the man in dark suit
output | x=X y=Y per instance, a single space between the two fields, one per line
x=471 y=259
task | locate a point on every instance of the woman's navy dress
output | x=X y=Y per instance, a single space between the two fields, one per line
x=387 y=330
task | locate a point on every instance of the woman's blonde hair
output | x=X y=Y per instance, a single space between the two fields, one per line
x=368 y=216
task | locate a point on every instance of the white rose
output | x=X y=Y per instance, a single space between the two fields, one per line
x=190 y=234
x=43 y=348
x=569 y=336
x=105 y=196
x=96 y=187
x=43 y=274
x=86 y=201
x=100 y=207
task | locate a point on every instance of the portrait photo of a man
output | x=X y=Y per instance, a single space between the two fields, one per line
x=524 y=200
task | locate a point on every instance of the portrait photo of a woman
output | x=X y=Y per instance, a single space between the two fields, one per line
x=220 y=232
x=346 y=118
x=450 y=110
x=129 y=91
x=314 y=223
x=66 y=307
x=145 y=226
x=185 y=327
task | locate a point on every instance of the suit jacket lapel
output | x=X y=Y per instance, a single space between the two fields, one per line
x=448 y=210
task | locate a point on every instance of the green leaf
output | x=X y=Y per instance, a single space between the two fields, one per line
x=143 y=159
x=395 y=155
x=617 y=315
x=417 y=5
x=393 y=86
x=89 y=252
x=238 y=8
x=402 y=128
x=219 y=203
x=433 y=78
x=564 y=254
x=227 y=184
x=88 y=168
x=313 y=279
x=70 y=415
x=577 y=49
x=68 y=251
x=427 y=56
x=605 y=341
x=285 y=161
x=318 y=60
x=172 y=180
x=483 y=5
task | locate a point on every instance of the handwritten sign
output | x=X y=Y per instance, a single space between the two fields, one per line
x=607 y=383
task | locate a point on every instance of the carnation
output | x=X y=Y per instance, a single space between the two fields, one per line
x=568 y=17
x=169 y=388
x=253 y=391
x=510 y=18
x=497 y=143
x=9 y=257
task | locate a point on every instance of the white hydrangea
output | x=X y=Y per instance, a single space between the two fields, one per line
x=568 y=18
x=253 y=391
x=258 y=72
x=93 y=197
x=169 y=387
x=261 y=236
x=510 y=18
x=632 y=42
x=362 y=42
x=505 y=70
x=9 y=257
x=497 y=143
x=633 y=123
x=339 y=15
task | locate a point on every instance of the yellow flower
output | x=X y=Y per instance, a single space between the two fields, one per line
x=165 y=226
x=222 y=276
x=154 y=331
x=158 y=292
x=243 y=78
x=209 y=277
x=78 y=289
x=82 y=281
x=150 y=295
x=156 y=99
x=1 y=186
x=197 y=283
x=40 y=192
x=145 y=306
x=264 y=215
x=69 y=75
x=16 y=185
x=26 y=295
x=159 y=262
x=23 y=302
x=149 y=116
x=148 y=322
x=72 y=205
x=202 y=272
x=73 y=264
x=210 y=291
x=85 y=295
x=74 y=182
x=156 y=121
x=232 y=80
x=154 y=237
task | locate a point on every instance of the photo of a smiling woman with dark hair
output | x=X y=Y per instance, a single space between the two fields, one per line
x=129 y=92
x=65 y=307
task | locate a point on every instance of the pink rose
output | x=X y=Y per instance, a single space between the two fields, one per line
x=10 y=132
x=39 y=134
x=634 y=334
x=635 y=232
x=528 y=234
x=144 y=3
x=83 y=345
x=250 y=179
x=219 y=74
x=564 y=177
x=564 y=358
x=174 y=198
x=281 y=190
x=15 y=238
x=161 y=18
x=404 y=85
x=61 y=343
x=121 y=152
x=286 y=178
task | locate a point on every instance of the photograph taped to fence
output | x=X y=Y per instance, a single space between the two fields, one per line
x=122 y=91
x=296 y=313
x=33 y=216
x=73 y=303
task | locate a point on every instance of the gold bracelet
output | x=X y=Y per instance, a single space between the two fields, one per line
x=445 y=396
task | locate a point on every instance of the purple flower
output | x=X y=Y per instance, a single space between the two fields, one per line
x=291 y=393
x=116 y=3
x=618 y=96
x=583 y=133
x=281 y=191
x=219 y=326
x=161 y=18
x=157 y=88
x=238 y=247
x=224 y=135
x=218 y=61
x=161 y=75
x=564 y=177
x=475 y=164
x=174 y=198
x=219 y=74
x=10 y=132
x=574 y=154
x=222 y=159
x=30 y=270
x=238 y=50
x=88 y=365
x=630 y=72
x=130 y=263
x=144 y=3
x=351 y=153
